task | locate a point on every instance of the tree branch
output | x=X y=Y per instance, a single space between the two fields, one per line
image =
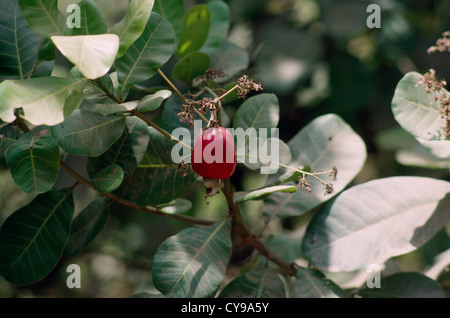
x=249 y=237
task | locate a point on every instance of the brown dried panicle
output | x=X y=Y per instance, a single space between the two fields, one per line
x=188 y=114
x=246 y=85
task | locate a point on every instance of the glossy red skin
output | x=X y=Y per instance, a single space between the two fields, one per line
x=214 y=138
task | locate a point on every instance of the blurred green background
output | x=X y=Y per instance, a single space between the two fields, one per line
x=318 y=57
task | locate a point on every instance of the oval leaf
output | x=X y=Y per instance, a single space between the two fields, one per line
x=147 y=54
x=127 y=152
x=260 y=111
x=42 y=99
x=130 y=28
x=172 y=11
x=193 y=262
x=260 y=194
x=93 y=55
x=375 y=221
x=177 y=206
x=92 y=20
x=191 y=66
x=31 y=244
x=230 y=58
x=405 y=285
x=86 y=225
x=310 y=283
x=34 y=162
x=326 y=142
x=257 y=283
x=415 y=110
x=88 y=134
x=108 y=179
x=156 y=180
x=43 y=16
x=20 y=43
x=220 y=14
x=195 y=30
x=153 y=101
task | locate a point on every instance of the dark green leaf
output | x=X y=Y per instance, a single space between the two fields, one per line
x=86 y=225
x=19 y=43
x=195 y=30
x=193 y=262
x=130 y=28
x=260 y=111
x=92 y=19
x=405 y=285
x=258 y=283
x=220 y=17
x=127 y=152
x=374 y=221
x=156 y=180
x=43 y=16
x=88 y=134
x=172 y=11
x=32 y=239
x=108 y=179
x=230 y=58
x=311 y=283
x=147 y=54
x=34 y=162
x=191 y=66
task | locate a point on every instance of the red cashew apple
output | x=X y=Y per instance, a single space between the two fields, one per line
x=214 y=156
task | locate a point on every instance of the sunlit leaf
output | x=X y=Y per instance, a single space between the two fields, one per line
x=372 y=222
x=194 y=31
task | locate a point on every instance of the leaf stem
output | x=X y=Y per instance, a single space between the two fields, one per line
x=107 y=91
x=159 y=129
x=248 y=236
x=181 y=95
x=154 y=210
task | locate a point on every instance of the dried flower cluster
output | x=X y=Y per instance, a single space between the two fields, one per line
x=246 y=85
x=432 y=85
x=442 y=44
x=303 y=184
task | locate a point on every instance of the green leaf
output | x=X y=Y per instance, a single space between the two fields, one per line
x=130 y=28
x=18 y=45
x=108 y=179
x=405 y=285
x=42 y=99
x=172 y=11
x=127 y=152
x=193 y=262
x=32 y=239
x=111 y=108
x=415 y=110
x=34 y=162
x=260 y=194
x=86 y=225
x=257 y=283
x=146 y=56
x=230 y=58
x=191 y=66
x=194 y=31
x=325 y=142
x=220 y=14
x=92 y=20
x=260 y=111
x=177 y=206
x=372 y=222
x=92 y=54
x=88 y=134
x=156 y=180
x=43 y=16
x=310 y=283
x=153 y=101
